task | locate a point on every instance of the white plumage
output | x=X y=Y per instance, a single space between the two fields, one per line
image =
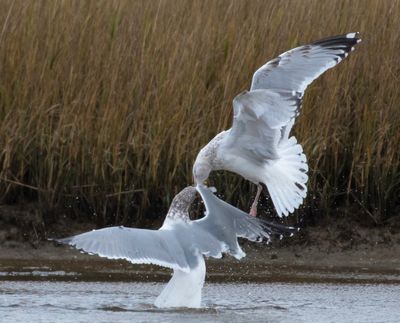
x=181 y=244
x=259 y=146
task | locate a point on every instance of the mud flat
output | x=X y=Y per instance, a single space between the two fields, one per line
x=264 y=263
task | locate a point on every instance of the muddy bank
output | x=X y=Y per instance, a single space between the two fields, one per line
x=361 y=264
x=336 y=250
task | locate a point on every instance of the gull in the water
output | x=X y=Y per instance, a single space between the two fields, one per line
x=258 y=146
x=181 y=243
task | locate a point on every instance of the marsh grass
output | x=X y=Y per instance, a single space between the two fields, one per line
x=105 y=104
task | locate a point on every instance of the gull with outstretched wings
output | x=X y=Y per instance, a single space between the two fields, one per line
x=181 y=243
x=259 y=146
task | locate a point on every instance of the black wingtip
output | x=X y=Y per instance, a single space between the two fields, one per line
x=63 y=241
x=343 y=43
x=345 y=39
x=276 y=228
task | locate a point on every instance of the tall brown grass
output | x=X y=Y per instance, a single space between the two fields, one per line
x=105 y=104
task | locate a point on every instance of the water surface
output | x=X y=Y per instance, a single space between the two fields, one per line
x=60 y=301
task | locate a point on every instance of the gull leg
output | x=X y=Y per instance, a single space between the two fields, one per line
x=253 y=210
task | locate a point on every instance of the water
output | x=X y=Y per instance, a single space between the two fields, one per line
x=60 y=301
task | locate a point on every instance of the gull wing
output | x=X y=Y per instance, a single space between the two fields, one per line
x=264 y=116
x=226 y=223
x=258 y=118
x=138 y=246
x=295 y=69
x=179 y=244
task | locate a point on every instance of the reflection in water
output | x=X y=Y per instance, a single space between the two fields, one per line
x=121 y=302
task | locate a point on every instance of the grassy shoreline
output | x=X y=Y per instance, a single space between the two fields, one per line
x=105 y=104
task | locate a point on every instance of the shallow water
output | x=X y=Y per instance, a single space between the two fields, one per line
x=56 y=301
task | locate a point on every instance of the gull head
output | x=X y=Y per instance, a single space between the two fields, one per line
x=201 y=171
x=180 y=206
x=186 y=196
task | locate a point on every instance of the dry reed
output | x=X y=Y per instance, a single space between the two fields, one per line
x=105 y=104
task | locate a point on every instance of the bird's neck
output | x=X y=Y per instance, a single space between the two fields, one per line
x=178 y=212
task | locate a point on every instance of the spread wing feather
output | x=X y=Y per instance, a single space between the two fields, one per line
x=158 y=247
x=295 y=69
x=227 y=223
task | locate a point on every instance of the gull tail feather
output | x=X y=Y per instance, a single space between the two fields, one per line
x=286 y=177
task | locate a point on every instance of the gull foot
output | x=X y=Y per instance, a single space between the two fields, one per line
x=253 y=211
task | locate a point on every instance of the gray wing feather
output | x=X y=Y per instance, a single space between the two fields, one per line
x=178 y=244
x=159 y=247
x=258 y=119
x=226 y=223
x=295 y=69
x=264 y=116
